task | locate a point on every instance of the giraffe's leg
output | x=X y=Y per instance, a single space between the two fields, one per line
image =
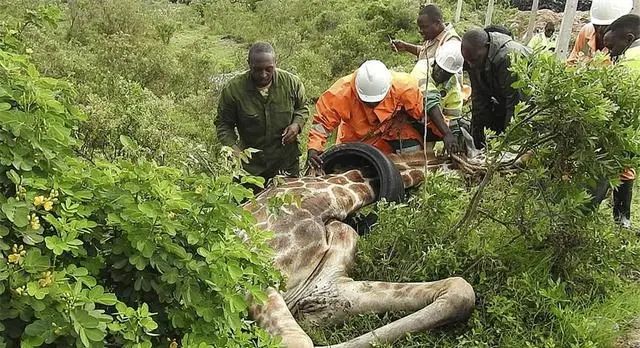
x=434 y=304
x=275 y=317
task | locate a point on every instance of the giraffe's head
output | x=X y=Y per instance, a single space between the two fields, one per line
x=391 y=174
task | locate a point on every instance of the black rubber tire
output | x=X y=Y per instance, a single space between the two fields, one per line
x=372 y=162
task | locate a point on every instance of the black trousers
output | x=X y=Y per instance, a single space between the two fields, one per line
x=496 y=123
x=622 y=196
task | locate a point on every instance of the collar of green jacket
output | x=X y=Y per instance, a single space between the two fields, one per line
x=252 y=86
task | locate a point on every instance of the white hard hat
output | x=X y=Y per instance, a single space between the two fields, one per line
x=605 y=12
x=373 y=81
x=449 y=56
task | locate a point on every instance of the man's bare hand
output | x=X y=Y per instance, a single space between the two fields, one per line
x=451 y=144
x=398 y=45
x=290 y=133
x=314 y=160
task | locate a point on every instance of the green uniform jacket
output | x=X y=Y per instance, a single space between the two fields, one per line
x=261 y=121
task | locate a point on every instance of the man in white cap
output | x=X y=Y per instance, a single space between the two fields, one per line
x=375 y=106
x=441 y=84
x=591 y=37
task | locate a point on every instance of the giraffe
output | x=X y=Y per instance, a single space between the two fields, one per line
x=314 y=250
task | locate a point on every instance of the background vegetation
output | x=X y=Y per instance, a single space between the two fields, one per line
x=127 y=150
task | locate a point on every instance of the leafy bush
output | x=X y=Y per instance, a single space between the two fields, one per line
x=547 y=271
x=128 y=253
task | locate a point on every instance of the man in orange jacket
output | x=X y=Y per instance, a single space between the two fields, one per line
x=591 y=37
x=377 y=107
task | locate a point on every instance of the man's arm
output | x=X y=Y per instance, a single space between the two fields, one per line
x=511 y=95
x=300 y=107
x=227 y=119
x=325 y=121
x=300 y=114
x=480 y=104
x=434 y=110
x=402 y=46
x=578 y=47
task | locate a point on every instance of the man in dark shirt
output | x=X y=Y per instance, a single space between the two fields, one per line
x=486 y=56
x=267 y=107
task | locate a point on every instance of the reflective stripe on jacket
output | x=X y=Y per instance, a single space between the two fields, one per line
x=448 y=96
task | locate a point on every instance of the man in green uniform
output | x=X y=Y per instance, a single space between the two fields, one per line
x=267 y=107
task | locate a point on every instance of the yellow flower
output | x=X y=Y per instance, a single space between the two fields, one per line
x=199 y=189
x=48 y=205
x=171 y=215
x=35 y=222
x=46 y=280
x=38 y=201
x=21 y=290
x=15 y=258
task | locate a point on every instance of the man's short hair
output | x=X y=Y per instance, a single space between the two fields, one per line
x=475 y=38
x=496 y=28
x=260 y=48
x=432 y=12
x=629 y=23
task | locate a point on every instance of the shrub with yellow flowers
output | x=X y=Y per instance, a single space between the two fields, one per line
x=124 y=254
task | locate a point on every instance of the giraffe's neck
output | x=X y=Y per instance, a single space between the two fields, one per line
x=412 y=167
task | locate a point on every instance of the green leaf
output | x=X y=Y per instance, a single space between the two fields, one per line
x=34 y=289
x=128 y=143
x=138 y=261
x=83 y=337
x=97 y=295
x=14 y=177
x=21 y=218
x=3 y=231
x=38 y=328
x=55 y=244
x=35 y=262
x=235 y=271
x=75 y=271
x=149 y=209
x=95 y=334
x=148 y=324
x=32 y=238
x=5 y=106
x=16 y=211
x=31 y=341
x=237 y=303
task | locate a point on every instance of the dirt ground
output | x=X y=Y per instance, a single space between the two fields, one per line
x=521 y=21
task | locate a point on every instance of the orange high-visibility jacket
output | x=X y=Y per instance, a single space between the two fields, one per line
x=340 y=107
x=585 y=46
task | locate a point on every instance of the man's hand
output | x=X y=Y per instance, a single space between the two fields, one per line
x=398 y=45
x=314 y=160
x=451 y=144
x=290 y=133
